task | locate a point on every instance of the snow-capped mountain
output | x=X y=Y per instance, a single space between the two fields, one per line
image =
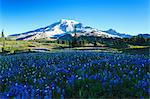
x=61 y=28
x=114 y=32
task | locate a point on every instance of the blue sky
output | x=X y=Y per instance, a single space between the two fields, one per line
x=126 y=16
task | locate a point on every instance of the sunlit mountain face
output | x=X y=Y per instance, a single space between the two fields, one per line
x=64 y=27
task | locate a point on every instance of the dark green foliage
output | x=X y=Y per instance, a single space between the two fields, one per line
x=144 y=51
x=2 y=35
x=110 y=42
x=3 y=40
x=138 y=40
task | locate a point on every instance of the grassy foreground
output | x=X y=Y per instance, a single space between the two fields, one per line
x=74 y=74
x=26 y=46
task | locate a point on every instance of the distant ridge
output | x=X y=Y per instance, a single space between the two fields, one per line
x=113 y=32
x=144 y=35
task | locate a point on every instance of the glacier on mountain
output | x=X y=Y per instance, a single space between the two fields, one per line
x=61 y=28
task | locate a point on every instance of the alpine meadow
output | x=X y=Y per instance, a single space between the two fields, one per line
x=98 y=49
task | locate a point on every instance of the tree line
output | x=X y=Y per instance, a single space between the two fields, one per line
x=110 y=42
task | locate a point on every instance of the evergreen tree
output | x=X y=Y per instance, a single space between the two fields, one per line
x=2 y=35
x=3 y=39
x=75 y=43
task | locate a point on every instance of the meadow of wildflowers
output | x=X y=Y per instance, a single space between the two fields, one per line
x=74 y=74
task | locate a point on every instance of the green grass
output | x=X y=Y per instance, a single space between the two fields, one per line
x=132 y=46
x=12 y=46
x=137 y=50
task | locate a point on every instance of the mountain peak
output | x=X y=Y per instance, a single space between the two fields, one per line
x=64 y=21
x=111 y=30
